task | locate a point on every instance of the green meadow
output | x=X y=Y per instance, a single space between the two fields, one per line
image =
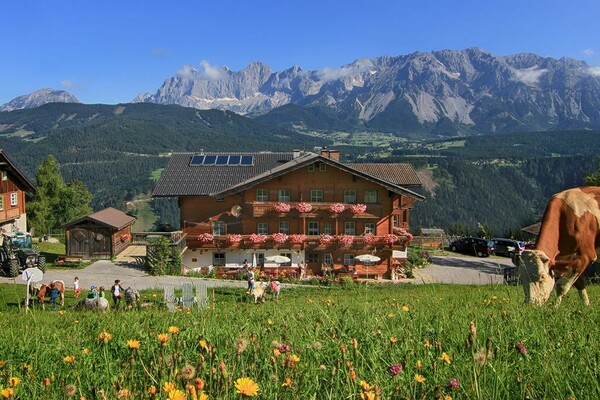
x=355 y=342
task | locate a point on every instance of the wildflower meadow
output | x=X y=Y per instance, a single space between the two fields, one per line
x=356 y=342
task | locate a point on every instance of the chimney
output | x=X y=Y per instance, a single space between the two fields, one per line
x=297 y=153
x=333 y=154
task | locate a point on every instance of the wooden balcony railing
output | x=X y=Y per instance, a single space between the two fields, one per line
x=10 y=214
x=318 y=209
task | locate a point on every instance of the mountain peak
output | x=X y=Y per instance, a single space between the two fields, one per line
x=38 y=98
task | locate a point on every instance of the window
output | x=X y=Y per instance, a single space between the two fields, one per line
x=328 y=259
x=350 y=196
x=313 y=228
x=312 y=257
x=14 y=199
x=218 y=228
x=262 y=228
x=311 y=168
x=1 y=202
x=322 y=167
x=194 y=260
x=349 y=228
x=218 y=259
x=284 y=195
x=262 y=194
x=395 y=220
x=371 y=196
x=316 y=195
x=348 y=259
x=370 y=228
x=328 y=229
x=284 y=227
x=289 y=263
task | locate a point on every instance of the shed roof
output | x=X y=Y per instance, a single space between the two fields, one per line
x=110 y=217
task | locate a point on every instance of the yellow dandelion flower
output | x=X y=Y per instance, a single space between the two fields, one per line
x=85 y=351
x=61 y=312
x=365 y=386
x=176 y=395
x=123 y=394
x=368 y=395
x=199 y=384
x=203 y=396
x=426 y=344
x=391 y=315
x=419 y=364
x=276 y=352
x=270 y=322
x=14 y=381
x=133 y=344
x=446 y=358
x=154 y=295
x=163 y=338
x=7 y=393
x=420 y=378
x=169 y=387
x=2 y=363
x=294 y=358
x=447 y=397
x=288 y=382
x=203 y=344
x=393 y=340
x=152 y=390
x=69 y=359
x=105 y=337
x=173 y=330
x=405 y=309
x=246 y=387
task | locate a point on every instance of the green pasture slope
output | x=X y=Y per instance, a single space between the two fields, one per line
x=312 y=343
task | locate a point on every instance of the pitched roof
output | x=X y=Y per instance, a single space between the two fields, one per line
x=110 y=217
x=398 y=173
x=181 y=179
x=17 y=176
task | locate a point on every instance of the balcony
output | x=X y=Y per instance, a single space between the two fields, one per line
x=9 y=215
x=316 y=242
x=318 y=210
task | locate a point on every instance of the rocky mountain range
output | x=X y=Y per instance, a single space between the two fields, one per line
x=442 y=92
x=38 y=98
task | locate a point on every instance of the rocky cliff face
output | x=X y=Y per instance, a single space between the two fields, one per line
x=38 y=98
x=442 y=91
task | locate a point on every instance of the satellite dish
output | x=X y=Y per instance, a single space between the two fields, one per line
x=236 y=211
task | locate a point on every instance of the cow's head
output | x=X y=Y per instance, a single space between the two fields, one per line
x=533 y=268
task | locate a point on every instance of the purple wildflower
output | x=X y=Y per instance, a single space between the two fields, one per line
x=284 y=348
x=395 y=369
x=453 y=384
x=522 y=349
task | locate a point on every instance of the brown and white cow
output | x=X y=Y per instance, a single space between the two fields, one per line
x=567 y=244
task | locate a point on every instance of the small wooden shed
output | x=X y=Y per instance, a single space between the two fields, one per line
x=101 y=235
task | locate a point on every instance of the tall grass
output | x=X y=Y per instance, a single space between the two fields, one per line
x=312 y=344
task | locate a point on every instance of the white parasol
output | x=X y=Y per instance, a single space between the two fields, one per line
x=278 y=259
x=369 y=258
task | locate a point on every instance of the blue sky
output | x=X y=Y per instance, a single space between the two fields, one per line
x=108 y=51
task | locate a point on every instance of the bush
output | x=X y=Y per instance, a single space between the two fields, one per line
x=347 y=282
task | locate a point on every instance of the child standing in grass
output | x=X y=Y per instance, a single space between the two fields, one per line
x=76 y=289
x=53 y=295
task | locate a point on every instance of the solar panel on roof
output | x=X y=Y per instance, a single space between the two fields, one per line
x=247 y=160
x=210 y=160
x=197 y=160
x=234 y=160
x=222 y=160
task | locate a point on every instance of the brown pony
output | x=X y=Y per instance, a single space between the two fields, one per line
x=46 y=290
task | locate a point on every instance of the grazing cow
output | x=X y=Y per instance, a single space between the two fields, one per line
x=567 y=244
x=98 y=304
x=46 y=290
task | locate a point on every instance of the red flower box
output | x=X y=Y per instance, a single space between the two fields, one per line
x=345 y=240
x=297 y=239
x=304 y=207
x=257 y=239
x=369 y=239
x=337 y=208
x=358 y=208
x=234 y=238
x=282 y=207
x=206 y=238
x=326 y=239
x=390 y=239
x=280 y=238
x=404 y=232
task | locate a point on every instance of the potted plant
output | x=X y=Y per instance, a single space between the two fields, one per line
x=282 y=208
x=337 y=208
x=357 y=209
x=304 y=207
x=280 y=238
x=206 y=238
x=345 y=240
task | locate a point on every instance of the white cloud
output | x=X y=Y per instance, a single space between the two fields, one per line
x=67 y=83
x=529 y=76
x=161 y=52
x=594 y=71
x=209 y=72
x=588 y=52
x=331 y=74
x=187 y=72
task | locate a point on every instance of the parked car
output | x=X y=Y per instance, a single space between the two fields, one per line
x=471 y=245
x=508 y=247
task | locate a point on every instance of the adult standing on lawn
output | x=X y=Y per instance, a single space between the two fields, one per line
x=117 y=292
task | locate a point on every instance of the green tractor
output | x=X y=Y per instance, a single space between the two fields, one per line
x=17 y=253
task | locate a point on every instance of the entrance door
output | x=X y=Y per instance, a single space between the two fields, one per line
x=79 y=243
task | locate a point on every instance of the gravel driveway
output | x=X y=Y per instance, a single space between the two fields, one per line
x=450 y=269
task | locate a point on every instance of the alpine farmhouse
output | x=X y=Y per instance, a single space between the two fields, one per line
x=307 y=206
x=13 y=185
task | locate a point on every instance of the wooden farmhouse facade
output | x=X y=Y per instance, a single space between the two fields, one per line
x=13 y=186
x=101 y=235
x=307 y=206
